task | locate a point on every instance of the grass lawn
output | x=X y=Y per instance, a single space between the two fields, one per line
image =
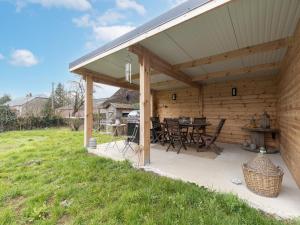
x=46 y=177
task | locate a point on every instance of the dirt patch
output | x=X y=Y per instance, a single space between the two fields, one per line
x=16 y=203
x=65 y=219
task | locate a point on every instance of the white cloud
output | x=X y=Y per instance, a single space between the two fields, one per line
x=174 y=3
x=104 y=27
x=1 y=56
x=108 y=33
x=23 y=57
x=110 y=17
x=81 y=5
x=83 y=21
x=131 y=4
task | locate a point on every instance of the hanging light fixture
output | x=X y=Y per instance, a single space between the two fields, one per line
x=128 y=71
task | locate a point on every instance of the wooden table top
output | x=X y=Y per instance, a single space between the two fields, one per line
x=191 y=124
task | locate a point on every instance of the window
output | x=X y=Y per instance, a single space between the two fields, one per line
x=125 y=114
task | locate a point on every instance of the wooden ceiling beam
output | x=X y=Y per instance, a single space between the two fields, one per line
x=158 y=64
x=105 y=79
x=136 y=76
x=264 y=47
x=168 y=83
x=234 y=72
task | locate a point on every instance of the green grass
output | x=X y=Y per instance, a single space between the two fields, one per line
x=46 y=177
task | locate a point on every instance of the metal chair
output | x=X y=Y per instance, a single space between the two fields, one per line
x=130 y=139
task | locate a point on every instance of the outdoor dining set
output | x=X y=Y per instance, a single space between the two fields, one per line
x=180 y=132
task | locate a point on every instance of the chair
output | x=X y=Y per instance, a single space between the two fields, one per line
x=158 y=131
x=197 y=131
x=131 y=139
x=210 y=140
x=174 y=134
x=184 y=120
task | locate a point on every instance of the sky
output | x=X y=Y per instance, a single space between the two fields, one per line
x=39 y=38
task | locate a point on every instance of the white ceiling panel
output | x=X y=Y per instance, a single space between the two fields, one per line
x=265 y=57
x=160 y=78
x=194 y=71
x=271 y=73
x=105 y=67
x=210 y=68
x=224 y=65
x=165 y=48
x=259 y=21
x=114 y=64
x=205 y=35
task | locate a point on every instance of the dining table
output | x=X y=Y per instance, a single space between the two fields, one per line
x=200 y=129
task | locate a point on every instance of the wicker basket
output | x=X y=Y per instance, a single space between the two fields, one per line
x=262 y=176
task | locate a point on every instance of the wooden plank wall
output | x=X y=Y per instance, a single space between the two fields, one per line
x=289 y=108
x=254 y=96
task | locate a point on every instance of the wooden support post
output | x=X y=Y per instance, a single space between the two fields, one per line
x=151 y=106
x=201 y=99
x=145 y=108
x=88 y=110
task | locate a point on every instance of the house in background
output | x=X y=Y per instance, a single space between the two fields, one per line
x=118 y=105
x=29 y=105
x=107 y=109
x=115 y=111
x=67 y=111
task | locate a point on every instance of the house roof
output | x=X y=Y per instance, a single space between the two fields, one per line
x=121 y=105
x=200 y=31
x=99 y=101
x=22 y=100
x=124 y=96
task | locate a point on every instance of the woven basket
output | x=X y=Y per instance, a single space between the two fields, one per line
x=262 y=176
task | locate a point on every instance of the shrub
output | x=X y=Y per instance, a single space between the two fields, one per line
x=8 y=118
x=75 y=123
x=9 y=121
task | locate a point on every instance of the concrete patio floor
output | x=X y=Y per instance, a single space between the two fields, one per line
x=214 y=172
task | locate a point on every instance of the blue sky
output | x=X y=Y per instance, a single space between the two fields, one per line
x=39 y=38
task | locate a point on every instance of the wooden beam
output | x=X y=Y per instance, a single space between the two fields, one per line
x=234 y=72
x=88 y=110
x=265 y=47
x=162 y=66
x=168 y=83
x=105 y=79
x=145 y=108
x=136 y=76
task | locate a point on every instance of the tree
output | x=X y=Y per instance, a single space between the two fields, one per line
x=77 y=95
x=4 y=99
x=48 y=111
x=60 y=96
x=7 y=118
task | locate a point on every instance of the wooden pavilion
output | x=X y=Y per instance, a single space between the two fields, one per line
x=200 y=51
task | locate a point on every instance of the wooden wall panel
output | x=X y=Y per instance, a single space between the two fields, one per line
x=289 y=108
x=254 y=96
